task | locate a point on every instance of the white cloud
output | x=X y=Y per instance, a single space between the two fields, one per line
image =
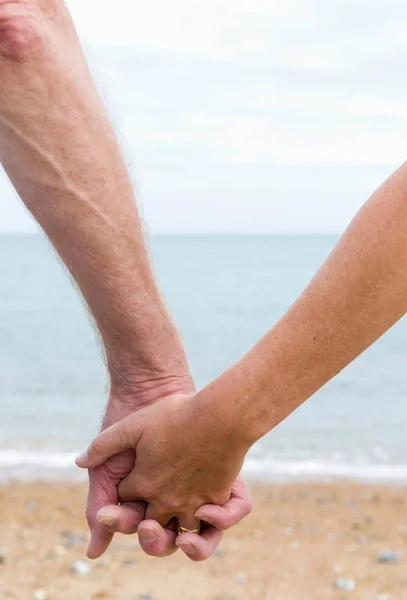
x=200 y=28
x=243 y=140
x=309 y=56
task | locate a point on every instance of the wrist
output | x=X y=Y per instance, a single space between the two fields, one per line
x=149 y=363
x=222 y=402
x=138 y=390
x=246 y=399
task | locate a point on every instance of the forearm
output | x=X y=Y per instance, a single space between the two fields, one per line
x=357 y=295
x=61 y=154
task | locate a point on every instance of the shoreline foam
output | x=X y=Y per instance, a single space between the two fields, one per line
x=27 y=465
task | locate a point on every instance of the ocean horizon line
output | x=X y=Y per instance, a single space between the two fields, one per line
x=201 y=235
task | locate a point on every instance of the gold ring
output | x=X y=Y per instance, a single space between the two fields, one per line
x=182 y=530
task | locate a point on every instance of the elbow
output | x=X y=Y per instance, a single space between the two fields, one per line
x=22 y=29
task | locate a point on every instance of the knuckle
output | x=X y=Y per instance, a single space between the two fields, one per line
x=96 y=448
x=137 y=511
x=170 y=506
x=145 y=489
x=120 y=466
x=129 y=529
x=187 y=508
x=21 y=29
x=172 y=501
x=220 y=499
x=217 y=517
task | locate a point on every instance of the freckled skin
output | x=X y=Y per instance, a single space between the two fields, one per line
x=356 y=296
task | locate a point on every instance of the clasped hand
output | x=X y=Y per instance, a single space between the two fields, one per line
x=186 y=469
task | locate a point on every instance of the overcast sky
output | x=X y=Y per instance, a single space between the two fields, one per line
x=266 y=116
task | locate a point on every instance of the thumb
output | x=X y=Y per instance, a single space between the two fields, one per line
x=124 y=435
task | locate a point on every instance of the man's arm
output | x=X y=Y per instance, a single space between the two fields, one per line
x=357 y=295
x=62 y=155
x=59 y=149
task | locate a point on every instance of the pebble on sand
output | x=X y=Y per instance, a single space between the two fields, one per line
x=73 y=539
x=80 y=567
x=389 y=557
x=39 y=595
x=346 y=585
x=129 y=562
x=241 y=577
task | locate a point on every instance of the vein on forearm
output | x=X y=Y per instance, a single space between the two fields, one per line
x=83 y=199
x=64 y=183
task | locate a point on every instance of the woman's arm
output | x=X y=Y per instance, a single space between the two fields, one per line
x=357 y=295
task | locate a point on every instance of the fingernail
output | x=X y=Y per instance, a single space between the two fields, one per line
x=187 y=548
x=82 y=459
x=107 y=521
x=148 y=534
x=209 y=521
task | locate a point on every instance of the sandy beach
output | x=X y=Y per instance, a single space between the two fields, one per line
x=303 y=541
